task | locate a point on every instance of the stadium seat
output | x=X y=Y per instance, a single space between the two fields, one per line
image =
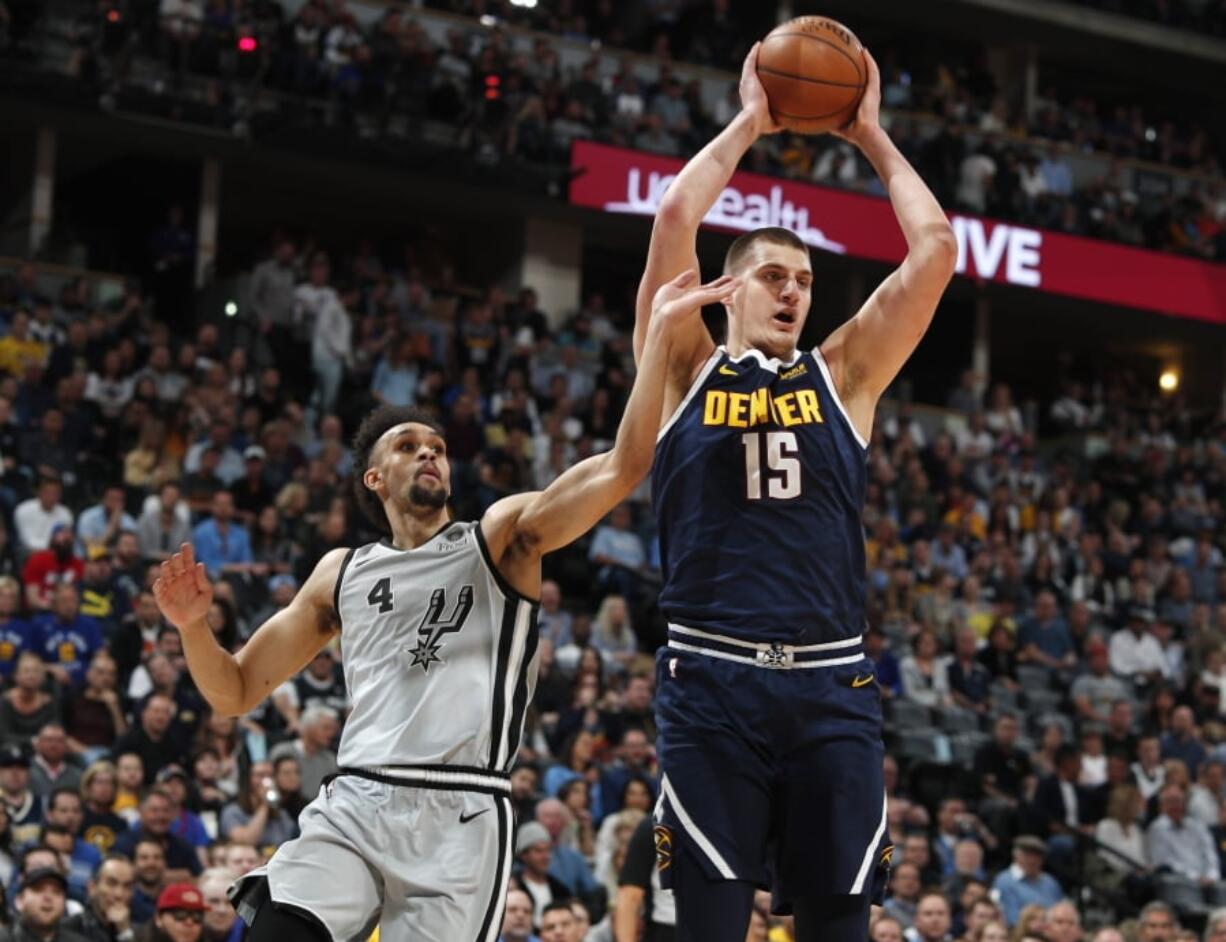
x=1033 y=677
x=907 y=714
x=920 y=744
x=1183 y=894
x=957 y=720
x=1004 y=698
x=1043 y=701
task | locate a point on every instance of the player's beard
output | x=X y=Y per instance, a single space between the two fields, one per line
x=425 y=497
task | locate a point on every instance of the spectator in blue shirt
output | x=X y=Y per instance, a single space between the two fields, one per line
x=220 y=543
x=619 y=553
x=396 y=376
x=101 y=524
x=969 y=681
x=889 y=677
x=1181 y=741
x=185 y=824
x=64 y=811
x=1044 y=638
x=15 y=633
x=948 y=555
x=517 y=919
x=566 y=863
x=66 y=639
x=1025 y=882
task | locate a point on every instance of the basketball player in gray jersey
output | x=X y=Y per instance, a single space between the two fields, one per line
x=437 y=627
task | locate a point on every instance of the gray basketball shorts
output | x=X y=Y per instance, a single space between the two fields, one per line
x=424 y=863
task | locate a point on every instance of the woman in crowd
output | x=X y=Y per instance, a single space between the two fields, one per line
x=925 y=679
x=256 y=816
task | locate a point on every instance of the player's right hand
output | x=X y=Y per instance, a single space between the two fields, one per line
x=183 y=590
x=753 y=95
x=683 y=296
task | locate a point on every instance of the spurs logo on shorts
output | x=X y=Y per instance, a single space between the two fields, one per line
x=432 y=628
x=664 y=846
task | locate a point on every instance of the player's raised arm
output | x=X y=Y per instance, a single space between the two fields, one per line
x=688 y=199
x=286 y=643
x=867 y=352
x=521 y=529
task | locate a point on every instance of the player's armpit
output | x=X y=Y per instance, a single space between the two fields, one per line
x=287 y=642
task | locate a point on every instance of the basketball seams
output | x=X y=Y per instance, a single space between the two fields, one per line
x=803 y=78
x=819 y=39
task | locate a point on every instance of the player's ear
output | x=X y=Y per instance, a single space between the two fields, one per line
x=372 y=479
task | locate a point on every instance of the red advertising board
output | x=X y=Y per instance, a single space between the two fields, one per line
x=626 y=181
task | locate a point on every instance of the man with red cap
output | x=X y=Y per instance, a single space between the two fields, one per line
x=180 y=916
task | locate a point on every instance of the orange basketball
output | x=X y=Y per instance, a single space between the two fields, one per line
x=814 y=74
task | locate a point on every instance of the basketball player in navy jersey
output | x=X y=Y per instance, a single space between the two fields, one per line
x=769 y=718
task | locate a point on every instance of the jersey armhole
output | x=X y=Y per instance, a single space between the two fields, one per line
x=336 y=591
x=509 y=591
x=824 y=368
x=716 y=355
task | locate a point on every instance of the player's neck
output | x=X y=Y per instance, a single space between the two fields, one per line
x=738 y=347
x=410 y=531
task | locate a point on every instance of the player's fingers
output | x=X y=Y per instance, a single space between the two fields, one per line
x=671 y=289
x=202 y=578
x=189 y=556
x=871 y=63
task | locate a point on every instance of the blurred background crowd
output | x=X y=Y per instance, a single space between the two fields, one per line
x=1047 y=605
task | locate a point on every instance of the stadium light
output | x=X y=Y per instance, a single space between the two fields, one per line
x=1168 y=382
x=231 y=309
x=248 y=44
x=526 y=4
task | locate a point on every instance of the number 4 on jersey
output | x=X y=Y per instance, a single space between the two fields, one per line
x=381 y=595
x=781 y=462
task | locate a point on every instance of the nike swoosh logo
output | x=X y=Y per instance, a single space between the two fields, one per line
x=727 y=371
x=475 y=814
x=863 y=681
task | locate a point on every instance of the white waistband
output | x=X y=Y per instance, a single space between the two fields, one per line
x=765 y=657
x=766 y=645
x=412 y=776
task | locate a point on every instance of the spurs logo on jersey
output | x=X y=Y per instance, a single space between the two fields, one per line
x=433 y=628
x=439 y=655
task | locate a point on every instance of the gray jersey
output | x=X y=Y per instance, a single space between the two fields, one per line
x=439 y=655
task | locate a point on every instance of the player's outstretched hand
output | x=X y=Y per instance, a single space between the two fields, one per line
x=182 y=590
x=683 y=296
x=868 y=114
x=753 y=95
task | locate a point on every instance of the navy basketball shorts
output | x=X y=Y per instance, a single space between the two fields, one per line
x=772 y=770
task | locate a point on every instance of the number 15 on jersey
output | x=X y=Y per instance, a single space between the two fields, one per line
x=773 y=458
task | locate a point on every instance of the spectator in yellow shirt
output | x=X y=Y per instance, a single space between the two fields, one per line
x=19 y=348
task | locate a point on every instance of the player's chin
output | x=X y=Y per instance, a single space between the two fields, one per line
x=428 y=492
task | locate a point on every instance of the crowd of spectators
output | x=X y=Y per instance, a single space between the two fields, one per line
x=1054 y=618
x=980 y=151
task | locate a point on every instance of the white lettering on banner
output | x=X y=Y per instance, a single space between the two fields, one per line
x=732 y=210
x=1018 y=248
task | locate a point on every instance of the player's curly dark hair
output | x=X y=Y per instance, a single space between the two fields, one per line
x=368 y=433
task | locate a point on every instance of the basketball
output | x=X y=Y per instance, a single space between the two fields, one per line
x=814 y=74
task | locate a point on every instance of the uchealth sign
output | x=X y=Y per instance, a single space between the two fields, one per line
x=625 y=181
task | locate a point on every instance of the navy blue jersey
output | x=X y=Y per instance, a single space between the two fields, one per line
x=758 y=483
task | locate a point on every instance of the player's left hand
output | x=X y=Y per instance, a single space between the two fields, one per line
x=682 y=297
x=867 y=117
